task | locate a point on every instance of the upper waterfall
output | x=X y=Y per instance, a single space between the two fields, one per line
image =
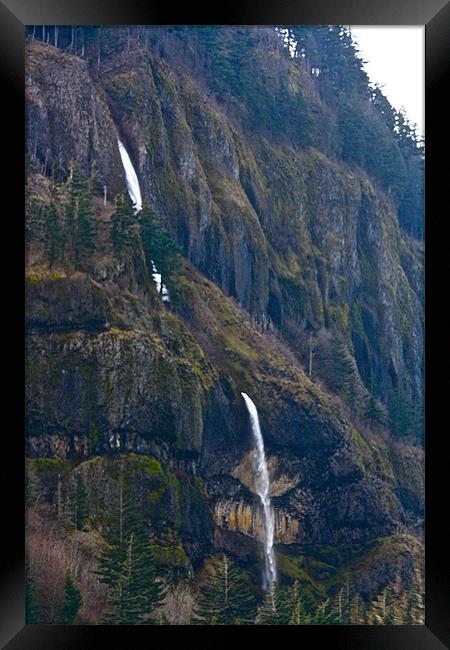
x=134 y=189
x=262 y=485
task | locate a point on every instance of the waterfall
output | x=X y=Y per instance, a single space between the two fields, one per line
x=262 y=489
x=160 y=288
x=134 y=191
x=131 y=177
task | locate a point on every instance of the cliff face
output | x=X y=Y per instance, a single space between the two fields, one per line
x=293 y=235
x=68 y=119
x=285 y=247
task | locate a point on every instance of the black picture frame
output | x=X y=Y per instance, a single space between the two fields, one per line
x=435 y=15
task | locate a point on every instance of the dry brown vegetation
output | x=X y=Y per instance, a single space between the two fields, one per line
x=51 y=553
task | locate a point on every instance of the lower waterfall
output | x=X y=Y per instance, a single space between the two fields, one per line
x=262 y=485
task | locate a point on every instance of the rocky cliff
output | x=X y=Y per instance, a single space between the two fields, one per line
x=291 y=257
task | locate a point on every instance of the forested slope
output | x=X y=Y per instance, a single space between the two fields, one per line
x=282 y=204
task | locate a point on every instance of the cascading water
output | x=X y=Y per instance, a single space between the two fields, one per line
x=262 y=489
x=134 y=191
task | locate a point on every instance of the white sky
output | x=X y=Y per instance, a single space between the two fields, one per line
x=395 y=58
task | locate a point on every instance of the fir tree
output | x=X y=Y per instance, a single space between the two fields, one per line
x=298 y=614
x=80 y=503
x=79 y=218
x=277 y=606
x=72 y=601
x=53 y=234
x=127 y=566
x=130 y=573
x=159 y=247
x=357 y=610
x=122 y=222
x=415 y=614
x=378 y=609
x=225 y=598
x=325 y=614
x=404 y=415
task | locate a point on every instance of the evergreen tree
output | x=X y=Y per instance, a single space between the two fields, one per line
x=346 y=605
x=378 y=609
x=79 y=219
x=299 y=614
x=398 y=608
x=130 y=573
x=277 y=606
x=127 y=566
x=404 y=415
x=415 y=614
x=352 y=126
x=357 y=610
x=225 y=598
x=72 y=601
x=325 y=614
x=122 y=222
x=53 y=234
x=159 y=248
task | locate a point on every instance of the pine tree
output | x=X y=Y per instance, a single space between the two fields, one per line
x=397 y=608
x=159 y=247
x=357 y=610
x=53 y=234
x=130 y=573
x=348 y=606
x=225 y=598
x=325 y=614
x=277 y=606
x=72 y=601
x=415 y=614
x=127 y=566
x=80 y=503
x=79 y=219
x=404 y=416
x=378 y=609
x=299 y=614
x=122 y=222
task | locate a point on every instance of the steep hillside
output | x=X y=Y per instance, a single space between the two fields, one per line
x=298 y=285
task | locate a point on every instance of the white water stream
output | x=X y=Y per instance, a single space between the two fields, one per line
x=131 y=177
x=134 y=191
x=262 y=486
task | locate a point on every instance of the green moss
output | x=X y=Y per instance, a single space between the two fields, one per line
x=169 y=556
x=292 y=568
x=57 y=276
x=372 y=554
x=49 y=467
x=32 y=278
x=289 y=566
x=146 y=464
x=340 y=317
